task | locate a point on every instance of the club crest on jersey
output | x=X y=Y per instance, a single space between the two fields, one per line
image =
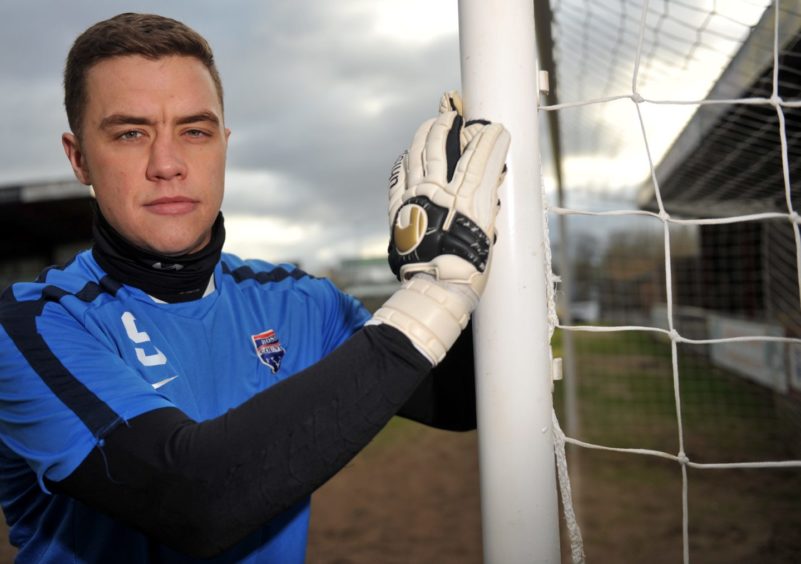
x=269 y=349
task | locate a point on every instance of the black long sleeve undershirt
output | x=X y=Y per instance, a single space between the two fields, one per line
x=446 y=398
x=201 y=487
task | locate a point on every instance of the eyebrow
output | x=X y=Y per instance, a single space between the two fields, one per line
x=125 y=119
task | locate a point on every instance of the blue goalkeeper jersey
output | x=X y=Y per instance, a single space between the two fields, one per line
x=81 y=353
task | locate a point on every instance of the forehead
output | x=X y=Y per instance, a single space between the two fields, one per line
x=138 y=84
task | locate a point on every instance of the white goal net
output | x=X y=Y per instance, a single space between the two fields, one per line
x=672 y=157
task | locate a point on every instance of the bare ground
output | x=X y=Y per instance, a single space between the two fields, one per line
x=413 y=497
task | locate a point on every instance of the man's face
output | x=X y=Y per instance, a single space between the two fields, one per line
x=153 y=147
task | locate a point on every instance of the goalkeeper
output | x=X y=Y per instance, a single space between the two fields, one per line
x=162 y=400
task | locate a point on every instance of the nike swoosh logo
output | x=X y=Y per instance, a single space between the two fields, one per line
x=160 y=383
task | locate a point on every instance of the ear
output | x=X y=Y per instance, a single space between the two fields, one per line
x=72 y=148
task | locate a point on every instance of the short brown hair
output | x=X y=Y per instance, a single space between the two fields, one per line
x=148 y=35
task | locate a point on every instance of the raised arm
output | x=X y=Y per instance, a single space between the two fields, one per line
x=200 y=487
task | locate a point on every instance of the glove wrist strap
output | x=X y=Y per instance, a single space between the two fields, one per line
x=429 y=314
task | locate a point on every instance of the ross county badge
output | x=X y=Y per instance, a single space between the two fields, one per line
x=269 y=349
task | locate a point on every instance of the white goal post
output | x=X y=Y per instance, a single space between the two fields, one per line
x=511 y=333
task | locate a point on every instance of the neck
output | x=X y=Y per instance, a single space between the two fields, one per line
x=169 y=278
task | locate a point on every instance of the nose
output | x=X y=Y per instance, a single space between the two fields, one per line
x=165 y=161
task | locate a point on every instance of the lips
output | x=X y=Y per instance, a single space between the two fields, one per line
x=172 y=206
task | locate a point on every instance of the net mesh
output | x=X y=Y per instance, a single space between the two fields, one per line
x=678 y=278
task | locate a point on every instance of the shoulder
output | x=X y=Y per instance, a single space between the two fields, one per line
x=287 y=283
x=80 y=279
x=60 y=299
x=269 y=276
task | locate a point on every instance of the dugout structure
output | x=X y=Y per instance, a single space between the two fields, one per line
x=41 y=223
x=742 y=277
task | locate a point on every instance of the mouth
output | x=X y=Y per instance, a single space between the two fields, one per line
x=175 y=205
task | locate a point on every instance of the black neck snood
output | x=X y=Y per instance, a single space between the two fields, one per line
x=169 y=278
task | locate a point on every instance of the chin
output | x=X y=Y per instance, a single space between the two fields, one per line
x=175 y=248
x=174 y=251
x=172 y=240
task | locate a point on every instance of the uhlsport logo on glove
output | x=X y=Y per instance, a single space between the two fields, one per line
x=410 y=228
x=411 y=221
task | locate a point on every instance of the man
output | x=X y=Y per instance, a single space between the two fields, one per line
x=163 y=401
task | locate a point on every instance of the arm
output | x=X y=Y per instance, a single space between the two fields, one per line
x=446 y=398
x=201 y=487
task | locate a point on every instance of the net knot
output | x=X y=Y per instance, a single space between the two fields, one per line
x=776 y=100
x=683 y=459
x=637 y=97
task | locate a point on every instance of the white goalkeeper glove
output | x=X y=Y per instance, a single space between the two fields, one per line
x=442 y=207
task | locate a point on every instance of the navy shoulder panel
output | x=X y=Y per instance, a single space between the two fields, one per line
x=18 y=317
x=259 y=271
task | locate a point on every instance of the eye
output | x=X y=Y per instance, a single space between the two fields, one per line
x=196 y=133
x=130 y=135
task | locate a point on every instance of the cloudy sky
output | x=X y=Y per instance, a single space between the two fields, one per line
x=320 y=97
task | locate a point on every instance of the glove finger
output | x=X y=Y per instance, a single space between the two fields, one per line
x=442 y=150
x=471 y=129
x=451 y=101
x=415 y=170
x=479 y=172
